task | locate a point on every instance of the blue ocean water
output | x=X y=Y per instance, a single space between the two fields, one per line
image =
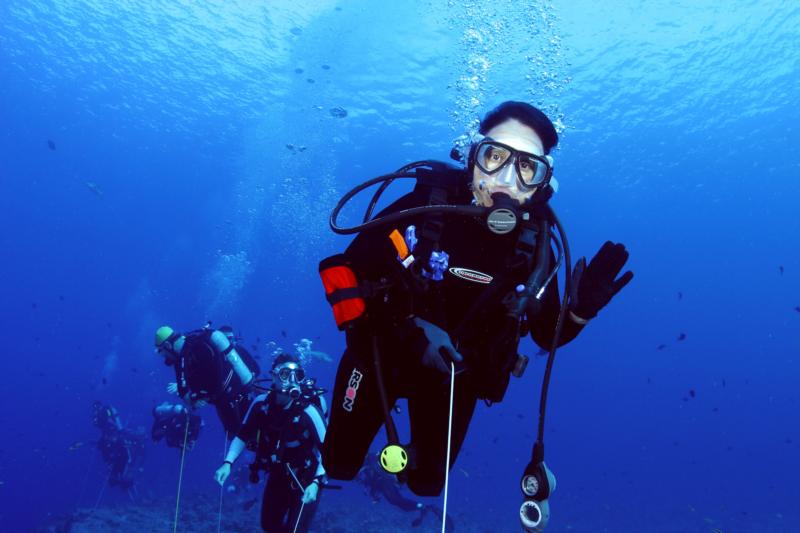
x=176 y=162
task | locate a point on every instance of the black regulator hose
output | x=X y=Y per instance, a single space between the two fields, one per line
x=385 y=180
x=539 y=445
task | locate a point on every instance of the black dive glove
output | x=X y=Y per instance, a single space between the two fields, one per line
x=438 y=349
x=593 y=286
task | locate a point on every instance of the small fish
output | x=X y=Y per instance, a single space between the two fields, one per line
x=34 y=305
x=105 y=381
x=310 y=80
x=797 y=308
x=692 y=393
x=296 y=31
x=661 y=347
x=780 y=269
x=520 y=416
x=92 y=186
x=61 y=297
x=301 y=148
x=75 y=445
x=290 y=146
x=680 y=295
x=51 y=144
x=338 y=112
x=326 y=67
x=298 y=71
x=682 y=337
x=723 y=383
x=715 y=410
x=283 y=333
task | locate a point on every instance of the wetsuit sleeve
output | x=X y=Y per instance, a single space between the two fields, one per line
x=317 y=429
x=543 y=323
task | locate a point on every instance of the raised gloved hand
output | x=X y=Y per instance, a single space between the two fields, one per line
x=594 y=285
x=310 y=494
x=172 y=388
x=439 y=350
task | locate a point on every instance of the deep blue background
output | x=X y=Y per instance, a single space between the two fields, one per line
x=680 y=140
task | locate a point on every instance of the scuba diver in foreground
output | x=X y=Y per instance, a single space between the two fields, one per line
x=288 y=428
x=437 y=290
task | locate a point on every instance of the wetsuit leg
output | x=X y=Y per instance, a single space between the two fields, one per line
x=276 y=502
x=428 y=408
x=356 y=415
x=308 y=512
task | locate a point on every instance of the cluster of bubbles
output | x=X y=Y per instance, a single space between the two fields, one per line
x=505 y=44
x=302 y=349
x=546 y=66
x=226 y=280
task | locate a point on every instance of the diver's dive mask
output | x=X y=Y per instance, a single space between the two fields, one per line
x=497 y=159
x=287 y=378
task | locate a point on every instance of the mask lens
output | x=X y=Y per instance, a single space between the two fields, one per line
x=299 y=374
x=531 y=171
x=492 y=157
x=284 y=373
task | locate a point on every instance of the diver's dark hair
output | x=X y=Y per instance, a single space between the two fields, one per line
x=528 y=115
x=285 y=358
x=227 y=330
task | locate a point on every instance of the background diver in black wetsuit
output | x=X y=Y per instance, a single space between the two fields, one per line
x=121 y=448
x=170 y=423
x=287 y=428
x=379 y=484
x=464 y=292
x=210 y=367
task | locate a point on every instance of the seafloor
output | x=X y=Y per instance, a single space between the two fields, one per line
x=201 y=516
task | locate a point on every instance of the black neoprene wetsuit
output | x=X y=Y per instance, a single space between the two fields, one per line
x=205 y=373
x=285 y=438
x=479 y=261
x=172 y=428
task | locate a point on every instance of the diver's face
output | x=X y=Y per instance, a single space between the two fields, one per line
x=520 y=137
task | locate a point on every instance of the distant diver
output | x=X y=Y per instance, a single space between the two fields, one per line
x=170 y=423
x=287 y=428
x=121 y=449
x=210 y=367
